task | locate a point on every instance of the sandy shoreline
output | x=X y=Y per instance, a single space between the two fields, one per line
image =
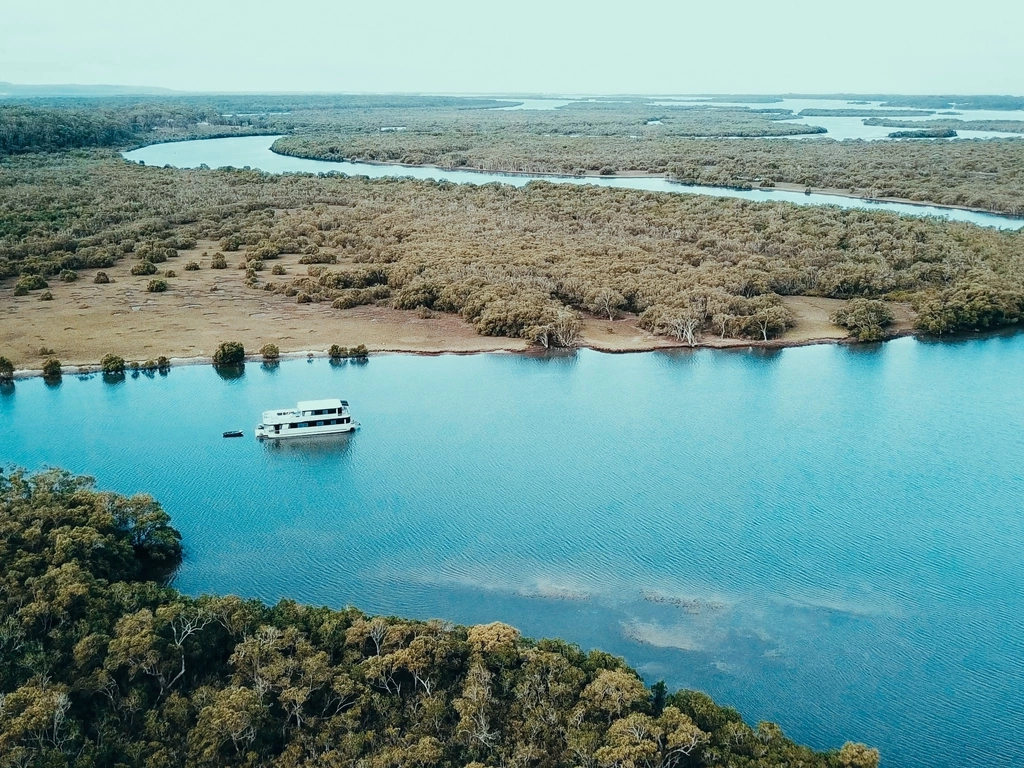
x=85 y=321
x=88 y=369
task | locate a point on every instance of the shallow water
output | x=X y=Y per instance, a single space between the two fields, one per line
x=829 y=537
x=844 y=128
x=254 y=152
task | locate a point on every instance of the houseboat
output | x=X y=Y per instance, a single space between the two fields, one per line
x=306 y=419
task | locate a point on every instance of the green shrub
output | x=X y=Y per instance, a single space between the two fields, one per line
x=970 y=306
x=170 y=273
x=6 y=369
x=20 y=290
x=52 y=369
x=157 y=286
x=319 y=258
x=155 y=253
x=270 y=352
x=303 y=298
x=192 y=266
x=112 y=364
x=30 y=283
x=218 y=261
x=358 y=352
x=46 y=296
x=162 y=363
x=101 y=278
x=46 y=352
x=277 y=269
x=68 y=275
x=229 y=353
x=232 y=242
x=143 y=268
x=354 y=297
x=865 y=318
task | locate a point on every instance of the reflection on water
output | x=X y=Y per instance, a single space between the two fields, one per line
x=826 y=536
x=315 y=447
x=230 y=372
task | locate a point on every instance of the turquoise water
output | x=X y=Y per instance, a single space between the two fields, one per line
x=828 y=537
x=254 y=152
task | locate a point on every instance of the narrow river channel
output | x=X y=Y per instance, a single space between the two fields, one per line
x=255 y=152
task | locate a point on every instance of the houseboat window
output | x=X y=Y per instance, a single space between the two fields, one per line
x=319 y=423
x=293 y=425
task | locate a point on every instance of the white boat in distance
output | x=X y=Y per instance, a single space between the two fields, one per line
x=306 y=419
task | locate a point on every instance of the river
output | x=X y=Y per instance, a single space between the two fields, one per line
x=254 y=152
x=829 y=537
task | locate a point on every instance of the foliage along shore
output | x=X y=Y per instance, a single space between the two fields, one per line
x=106 y=665
x=144 y=368
x=737 y=184
x=512 y=262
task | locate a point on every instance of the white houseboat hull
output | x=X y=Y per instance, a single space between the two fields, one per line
x=312 y=418
x=289 y=434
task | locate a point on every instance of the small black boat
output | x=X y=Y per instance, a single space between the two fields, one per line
x=234 y=433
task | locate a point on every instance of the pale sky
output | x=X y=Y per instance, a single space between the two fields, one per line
x=509 y=46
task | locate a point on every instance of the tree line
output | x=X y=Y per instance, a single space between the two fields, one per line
x=984 y=174
x=1004 y=126
x=106 y=665
x=511 y=261
x=34 y=127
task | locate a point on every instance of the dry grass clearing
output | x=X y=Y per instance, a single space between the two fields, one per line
x=201 y=308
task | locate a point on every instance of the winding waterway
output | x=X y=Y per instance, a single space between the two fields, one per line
x=254 y=152
x=828 y=536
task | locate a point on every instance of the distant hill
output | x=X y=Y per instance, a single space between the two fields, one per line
x=18 y=90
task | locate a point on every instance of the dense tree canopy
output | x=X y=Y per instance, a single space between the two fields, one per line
x=514 y=262
x=103 y=665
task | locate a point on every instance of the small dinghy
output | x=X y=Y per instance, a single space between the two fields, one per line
x=234 y=433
